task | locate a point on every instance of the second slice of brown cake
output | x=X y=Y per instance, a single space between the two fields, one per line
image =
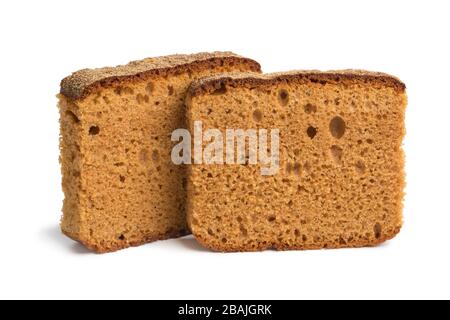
x=340 y=173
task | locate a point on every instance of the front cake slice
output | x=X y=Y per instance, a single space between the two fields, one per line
x=337 y=181
x=121 y=187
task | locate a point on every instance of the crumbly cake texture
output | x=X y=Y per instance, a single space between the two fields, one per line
x=341 y=177
x=121 y=188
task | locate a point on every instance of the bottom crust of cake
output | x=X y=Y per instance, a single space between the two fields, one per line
x=116 y=247
x=259 y=246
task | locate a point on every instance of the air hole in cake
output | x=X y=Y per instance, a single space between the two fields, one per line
x=121 y=237
x=210 y=175
x=72 y=116
x=297 y=232
x=377 y=230
x=170 y=90
x=271 y=218
x=243 y=231
x=310 y=108
x=288 y=168
x=336 y=153
x=360 y=166
x=337 y=127
x=369 y=141
x=239 y=219
x=364 y=151
x=337 y=101
x=304 y=238
x=155 y=155
x=141 y=98
x=210 y=232
x=257 y=115
x=307 y=166
x=149 y=88
x=106 y=99
x=222 y=89
x=311 y=131
x=297 y=169
x=224 y=240
x=290 y=203
x=94 y=130
x=143 y=156
x=122 y=179
x=283 y=97
x=123 y=90
x=118 y=91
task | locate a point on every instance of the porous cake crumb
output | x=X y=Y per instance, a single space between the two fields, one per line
x=340 y=180
x=121 y=188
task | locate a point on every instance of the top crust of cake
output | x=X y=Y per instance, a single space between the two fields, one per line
x=87 y=81
x=216 y=82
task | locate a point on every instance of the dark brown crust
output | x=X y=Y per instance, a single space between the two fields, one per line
x=87 y=81
x=112 y=248
x=210 y=84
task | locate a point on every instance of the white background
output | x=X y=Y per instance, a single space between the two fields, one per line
x=43 y=41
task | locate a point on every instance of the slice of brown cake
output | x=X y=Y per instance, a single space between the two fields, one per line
x=338 y=180
x=121 y=188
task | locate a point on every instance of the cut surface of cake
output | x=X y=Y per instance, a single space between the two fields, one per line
x=339 y=175
x=121 y=187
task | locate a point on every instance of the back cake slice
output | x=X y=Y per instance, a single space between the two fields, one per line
x=121 y=187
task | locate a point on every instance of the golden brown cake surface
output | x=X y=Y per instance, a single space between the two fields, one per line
x=340 y=180
x=121 y=187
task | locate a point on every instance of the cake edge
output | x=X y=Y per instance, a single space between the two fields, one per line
x=95 y=248
x=240 y=79
x=285 y=247
x=85 y=82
